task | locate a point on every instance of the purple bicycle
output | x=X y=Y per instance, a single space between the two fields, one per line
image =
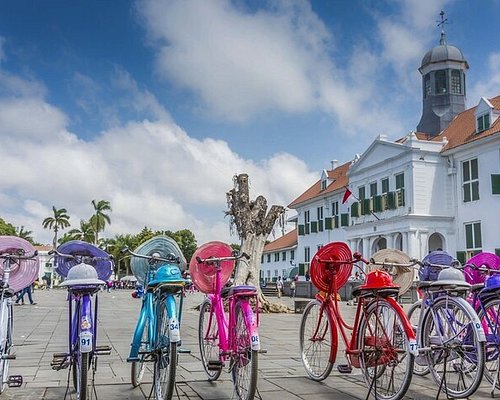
x=86 y=268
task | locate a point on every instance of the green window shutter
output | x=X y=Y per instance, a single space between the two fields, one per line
x=355 y=209
x=302 y=269
x=495 y=184
x=469 y=244
x=328 y=223
x=301 y=230
x=497 y=252
x=461 y=257
x=336 y=221
x=306 y=229
x=475 y=190
x=401 y=198
x=391 y=200
x=477 y=236
x=377 y=203
x=314 y=226
x=366 y=206
x=466 y=188
x=344 y=219
x=320 y=225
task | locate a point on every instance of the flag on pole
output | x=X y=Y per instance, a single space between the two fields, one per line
x=347 y=194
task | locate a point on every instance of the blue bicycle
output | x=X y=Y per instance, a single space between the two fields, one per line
x=156 y=264
x=86 y=268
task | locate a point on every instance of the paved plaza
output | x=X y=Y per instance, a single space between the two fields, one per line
x=41 y=330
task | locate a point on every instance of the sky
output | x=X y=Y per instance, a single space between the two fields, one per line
x=155 y=105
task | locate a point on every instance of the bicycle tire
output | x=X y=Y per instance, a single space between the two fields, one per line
x=245 y=360
x=414 y=317
x=316 y=341
x=80 y=375
x=138 y=368
x=490 y=310
x=456 y=362
x=6 y=345
x=165 y=356
x=384 y=353
x=208 y=339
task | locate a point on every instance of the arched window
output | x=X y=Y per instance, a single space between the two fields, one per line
x=427 y=85
x=456 y=82
x=440 y=82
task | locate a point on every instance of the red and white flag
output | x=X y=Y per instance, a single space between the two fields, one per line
x=347 y=194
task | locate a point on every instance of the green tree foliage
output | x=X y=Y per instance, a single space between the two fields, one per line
x=59 y=220
x=7 y=229
x=85 y=232
x=100 y=218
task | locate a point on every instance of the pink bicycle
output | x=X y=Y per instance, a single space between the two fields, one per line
x=231 y=338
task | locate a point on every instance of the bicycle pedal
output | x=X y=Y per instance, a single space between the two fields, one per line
x=262 y=351
x=15 y=381
x=214 y=365
x=103 y=350
x=344 y=368
x=182 y=350
x=133 y=359
x=8 y=357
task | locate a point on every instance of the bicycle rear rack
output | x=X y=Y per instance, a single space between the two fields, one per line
x=15 y=381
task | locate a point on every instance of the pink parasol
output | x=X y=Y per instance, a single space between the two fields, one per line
x=22 y=272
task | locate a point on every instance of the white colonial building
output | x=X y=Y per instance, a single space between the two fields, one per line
x=429 y=190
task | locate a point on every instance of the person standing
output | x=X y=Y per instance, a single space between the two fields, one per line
x=292 y=289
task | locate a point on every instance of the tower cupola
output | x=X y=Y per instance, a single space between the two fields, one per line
x=443 y=71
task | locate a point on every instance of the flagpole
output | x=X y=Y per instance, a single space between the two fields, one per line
x=352 y=194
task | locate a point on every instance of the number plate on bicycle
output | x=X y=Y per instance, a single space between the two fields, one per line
x=85 y=342
x=413 y=347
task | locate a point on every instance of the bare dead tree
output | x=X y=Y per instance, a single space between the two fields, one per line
x=253 y=224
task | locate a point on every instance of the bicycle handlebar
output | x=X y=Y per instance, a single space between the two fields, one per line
x=218 y=260
x=19 y=255
x=484 y=268
x=153 y=258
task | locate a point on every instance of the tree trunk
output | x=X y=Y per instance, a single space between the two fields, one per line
x=254 y=227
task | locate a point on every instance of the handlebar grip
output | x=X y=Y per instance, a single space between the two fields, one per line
x=245 y=255
x=51 y=252
x=198 y=260
x=124 y=250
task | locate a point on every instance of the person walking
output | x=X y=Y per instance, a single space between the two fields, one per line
x=27 y=290
x=292 y=289
x=279 y=286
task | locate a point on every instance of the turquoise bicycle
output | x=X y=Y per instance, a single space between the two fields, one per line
x=156 y=265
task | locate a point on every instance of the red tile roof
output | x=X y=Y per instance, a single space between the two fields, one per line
x=338 y=179
x=43 y=248
x=286 y=241
x=462 y=129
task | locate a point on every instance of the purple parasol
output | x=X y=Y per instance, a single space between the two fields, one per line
x=428 y=273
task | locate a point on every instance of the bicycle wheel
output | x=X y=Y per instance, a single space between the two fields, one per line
x=208 y=340
x=384 y=355
x=5 y=342
x=456 y=360
x=139 y=367
x=165 y=357
x=420 y=367
x=316 y=341
x=244 y=363
x=489 y=315
x=80 y=374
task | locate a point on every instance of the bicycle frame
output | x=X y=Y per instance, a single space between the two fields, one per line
x=82 y=329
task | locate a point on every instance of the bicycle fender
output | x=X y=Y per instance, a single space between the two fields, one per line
x=86 y=326
x=173 y=322
x=412 y=340
x=335 y=331
x=252 y=325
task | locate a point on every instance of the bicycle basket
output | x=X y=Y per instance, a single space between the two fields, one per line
x=161 y=244
x=104 y=268
x=488 y=260
x=428 y=273
x=22 y=272
x=401 y=276
x=204 y=274
x=322 y=274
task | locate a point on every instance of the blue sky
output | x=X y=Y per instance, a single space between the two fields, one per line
x=155 y=105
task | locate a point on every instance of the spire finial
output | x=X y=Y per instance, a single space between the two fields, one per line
x=441 y=23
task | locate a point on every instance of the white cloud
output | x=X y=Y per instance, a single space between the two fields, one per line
x=489 y=84
x=153 y=173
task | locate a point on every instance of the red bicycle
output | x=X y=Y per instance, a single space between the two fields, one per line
x=382 y=342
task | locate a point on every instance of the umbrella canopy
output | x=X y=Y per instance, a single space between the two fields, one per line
x=488 y=260
x=401 y=276
x=129 y=278
x=23 y=272
x=103 y=267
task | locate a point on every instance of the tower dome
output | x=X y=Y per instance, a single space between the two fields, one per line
x=443 y=85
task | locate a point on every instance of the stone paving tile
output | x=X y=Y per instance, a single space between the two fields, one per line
x=41 y=330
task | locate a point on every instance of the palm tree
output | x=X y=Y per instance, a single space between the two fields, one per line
x=99 y=219
x=59 y=220
x=85 y=232
x=26 y=235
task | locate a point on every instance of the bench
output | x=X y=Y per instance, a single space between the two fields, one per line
x=300 y=305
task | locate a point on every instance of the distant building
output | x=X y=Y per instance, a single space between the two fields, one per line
x=278 y=258
x=437 y=188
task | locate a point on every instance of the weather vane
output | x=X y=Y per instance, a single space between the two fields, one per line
x=443 y=20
